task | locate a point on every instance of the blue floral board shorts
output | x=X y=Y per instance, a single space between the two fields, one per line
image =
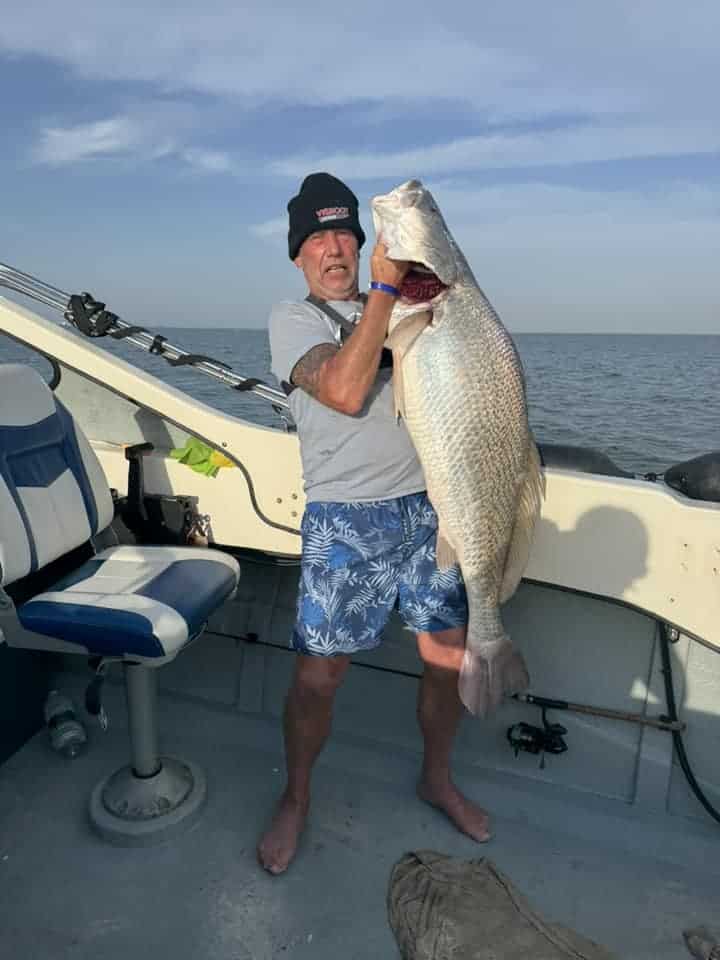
x=359 y=562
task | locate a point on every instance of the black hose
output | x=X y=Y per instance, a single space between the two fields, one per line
x=672 y=715
x=253 y=639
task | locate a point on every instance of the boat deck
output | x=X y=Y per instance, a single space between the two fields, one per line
x=630 y=882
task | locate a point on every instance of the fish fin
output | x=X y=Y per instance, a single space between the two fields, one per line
x=445 y=555
x=407 y=331
x=399 y=341
x=528 y=510
x=398 y=385
x=488 y=673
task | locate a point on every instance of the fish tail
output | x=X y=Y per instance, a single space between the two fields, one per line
x=489 y=672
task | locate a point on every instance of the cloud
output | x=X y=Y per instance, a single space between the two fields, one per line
x=270 y=229
x=535 y=85
x=208 y=161
x=62 y=146
x=251 y=52
x=462 y=95
x=152 y=132
x=522 y=59
x=503 y=150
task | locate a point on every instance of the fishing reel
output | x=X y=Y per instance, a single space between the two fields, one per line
x=537 y=740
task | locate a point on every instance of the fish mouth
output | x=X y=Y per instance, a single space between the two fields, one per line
x=420 y=285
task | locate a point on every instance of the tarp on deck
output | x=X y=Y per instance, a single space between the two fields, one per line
x=442 y=908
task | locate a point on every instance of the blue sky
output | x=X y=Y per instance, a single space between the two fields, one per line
x=149 y=149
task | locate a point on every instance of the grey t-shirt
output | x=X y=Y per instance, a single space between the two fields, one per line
x=368 y=456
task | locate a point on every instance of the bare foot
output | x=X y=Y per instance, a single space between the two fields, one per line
x=467 y=816
x=278 y=844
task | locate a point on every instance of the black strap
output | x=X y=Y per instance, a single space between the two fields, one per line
x=249 y=384
x=126 y=332
x=346 y=329
x=188 y=359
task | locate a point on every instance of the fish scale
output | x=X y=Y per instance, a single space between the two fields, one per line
x=461 y=391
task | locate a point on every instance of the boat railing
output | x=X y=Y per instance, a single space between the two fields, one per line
x=91 y=318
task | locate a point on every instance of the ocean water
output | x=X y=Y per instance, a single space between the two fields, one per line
x=648 y=402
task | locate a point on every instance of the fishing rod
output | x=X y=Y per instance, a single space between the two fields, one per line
x=91 y=318
x=547 y=703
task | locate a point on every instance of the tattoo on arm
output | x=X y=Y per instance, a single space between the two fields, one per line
x=306 y=372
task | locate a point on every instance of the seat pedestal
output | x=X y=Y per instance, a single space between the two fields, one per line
x=154 y=797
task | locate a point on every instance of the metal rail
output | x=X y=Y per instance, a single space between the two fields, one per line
x=51 y=296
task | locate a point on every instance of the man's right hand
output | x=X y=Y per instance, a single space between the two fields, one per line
x=385 y=270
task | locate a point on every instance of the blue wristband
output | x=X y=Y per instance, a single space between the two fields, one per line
x=385 y=287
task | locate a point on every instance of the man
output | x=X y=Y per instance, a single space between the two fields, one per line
x=368 y=530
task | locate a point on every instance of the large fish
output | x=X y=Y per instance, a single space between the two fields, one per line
x=460 y=387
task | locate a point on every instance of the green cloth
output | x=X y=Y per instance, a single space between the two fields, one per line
x=200 y=457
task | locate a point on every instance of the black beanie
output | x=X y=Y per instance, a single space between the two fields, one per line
x=323 y=203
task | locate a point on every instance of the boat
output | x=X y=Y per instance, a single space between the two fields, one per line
x=603 y=781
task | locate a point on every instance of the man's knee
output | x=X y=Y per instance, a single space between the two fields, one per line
x=443 y=650
x=320 y=676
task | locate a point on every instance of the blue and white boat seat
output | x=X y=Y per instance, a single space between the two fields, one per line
x=136 y=604
x=140 y=603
